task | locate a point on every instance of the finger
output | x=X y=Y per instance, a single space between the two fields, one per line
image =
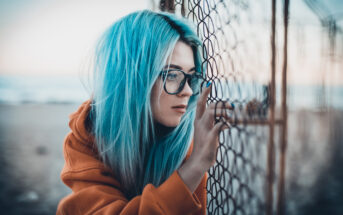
x=221 y=114
x=219 y=109
x=220 y=126
x=222 y=104
x=211 y=115
x=201 y=105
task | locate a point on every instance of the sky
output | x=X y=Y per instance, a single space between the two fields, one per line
x=47 y=37
x=50 y=37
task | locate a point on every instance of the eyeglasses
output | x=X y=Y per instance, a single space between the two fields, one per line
x=175 y=80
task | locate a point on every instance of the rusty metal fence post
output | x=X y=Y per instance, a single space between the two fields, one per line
x=200 y=11
x=271 y=147
x=284 y=111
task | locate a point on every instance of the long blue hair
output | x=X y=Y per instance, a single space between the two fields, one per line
x=128 y=60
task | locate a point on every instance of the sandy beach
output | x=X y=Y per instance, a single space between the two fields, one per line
x=31 y=140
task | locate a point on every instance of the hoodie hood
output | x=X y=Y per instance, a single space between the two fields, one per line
x=80 y=123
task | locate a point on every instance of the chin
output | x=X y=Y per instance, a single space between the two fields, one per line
x=172 y=122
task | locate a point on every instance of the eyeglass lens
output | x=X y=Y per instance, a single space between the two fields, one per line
x=175 y=82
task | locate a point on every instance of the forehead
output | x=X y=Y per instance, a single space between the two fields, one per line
x=182 y=56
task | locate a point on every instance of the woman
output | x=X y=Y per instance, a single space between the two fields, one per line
x=130 y=150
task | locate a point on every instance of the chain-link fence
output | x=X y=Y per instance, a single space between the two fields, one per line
x=240 y=54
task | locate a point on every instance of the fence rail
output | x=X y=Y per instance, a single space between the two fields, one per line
x=244 y=178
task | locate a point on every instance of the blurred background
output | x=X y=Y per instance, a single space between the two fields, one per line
x=45 y=46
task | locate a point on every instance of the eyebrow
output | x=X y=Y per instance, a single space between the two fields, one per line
x=177 y=67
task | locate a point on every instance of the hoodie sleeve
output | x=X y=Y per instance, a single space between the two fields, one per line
x=96 y=191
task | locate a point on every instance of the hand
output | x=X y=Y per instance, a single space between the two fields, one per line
x=206 y=129
x=205 y=146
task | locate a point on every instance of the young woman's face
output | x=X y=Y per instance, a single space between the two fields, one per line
x=168 y=109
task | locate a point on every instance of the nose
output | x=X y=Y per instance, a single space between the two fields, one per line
x=186 y=91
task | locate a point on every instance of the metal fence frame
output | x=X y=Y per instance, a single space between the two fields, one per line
x=272 y=122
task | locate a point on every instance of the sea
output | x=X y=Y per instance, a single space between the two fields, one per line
x=18 y=90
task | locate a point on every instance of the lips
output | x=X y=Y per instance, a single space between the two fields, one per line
x=180 y=108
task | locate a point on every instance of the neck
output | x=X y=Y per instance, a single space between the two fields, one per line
x=162 y=130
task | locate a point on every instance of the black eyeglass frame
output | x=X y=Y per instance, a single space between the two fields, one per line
x=187 y=77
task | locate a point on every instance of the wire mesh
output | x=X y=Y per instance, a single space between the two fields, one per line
x=243 y=180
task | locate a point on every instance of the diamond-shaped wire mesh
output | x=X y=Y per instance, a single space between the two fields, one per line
x=236 y=43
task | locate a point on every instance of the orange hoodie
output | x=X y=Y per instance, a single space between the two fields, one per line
x=96 y=191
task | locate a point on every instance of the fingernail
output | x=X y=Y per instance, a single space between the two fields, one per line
x=208 y=84
x=232 y=105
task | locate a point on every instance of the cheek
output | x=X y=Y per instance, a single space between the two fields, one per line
x=161 y=104
x=157 y=101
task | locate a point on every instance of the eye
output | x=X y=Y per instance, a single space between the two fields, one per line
x=172 y=77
